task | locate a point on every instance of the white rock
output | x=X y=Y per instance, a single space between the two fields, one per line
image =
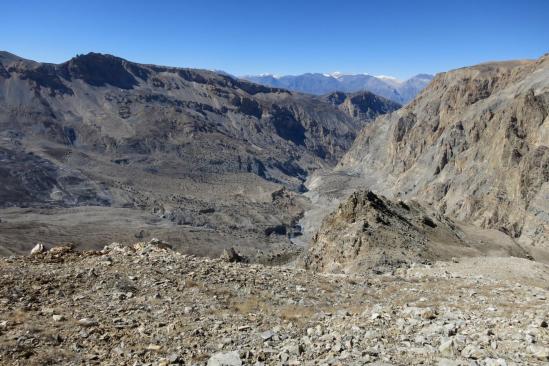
x=495 y=362
x=471 y=351
x=447 y=348
x=87 y=322
x=447 y=362
x=38 y=248
x=154 y=347
x=225 y=359
x=294 y=349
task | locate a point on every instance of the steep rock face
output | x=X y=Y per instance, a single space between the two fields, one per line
x=370 y=232
x=361 y=105
x=474 y=145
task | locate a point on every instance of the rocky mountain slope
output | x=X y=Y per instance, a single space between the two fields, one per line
x=361 y=105
x=144 y=304
x=474 y=146
x=314 y=83
x=191 y=154
x=369 y=232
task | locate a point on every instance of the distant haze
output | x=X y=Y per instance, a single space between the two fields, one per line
x=319 y=84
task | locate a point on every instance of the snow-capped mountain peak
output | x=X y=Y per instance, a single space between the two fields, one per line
x=389 y=78
x=335 y=74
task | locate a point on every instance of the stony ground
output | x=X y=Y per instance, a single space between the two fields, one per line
x=148 y=305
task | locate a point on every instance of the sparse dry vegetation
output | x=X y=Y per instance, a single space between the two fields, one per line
x=146 y=304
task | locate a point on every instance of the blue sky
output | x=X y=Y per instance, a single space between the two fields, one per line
x=399 y=38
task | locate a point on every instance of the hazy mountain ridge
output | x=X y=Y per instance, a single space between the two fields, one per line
x=316 y=83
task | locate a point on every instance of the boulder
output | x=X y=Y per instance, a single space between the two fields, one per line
x=38 y=248
x=225 y=359
x=230 y=255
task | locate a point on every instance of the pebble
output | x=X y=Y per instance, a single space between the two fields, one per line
x=87 y=322
x=471 y=351
x=154 y=347
x=447 y=348
x=267 y=335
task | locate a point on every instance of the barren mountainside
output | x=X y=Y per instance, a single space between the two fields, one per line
x=474 y=145
x=362 y=105
x=201 y=157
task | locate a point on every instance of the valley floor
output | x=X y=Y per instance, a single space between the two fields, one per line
x=148 y=305
x=91 y=227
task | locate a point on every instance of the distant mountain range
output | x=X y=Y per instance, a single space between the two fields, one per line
x=319 y=84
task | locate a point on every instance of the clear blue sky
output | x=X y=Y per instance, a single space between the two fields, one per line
x=399 y=38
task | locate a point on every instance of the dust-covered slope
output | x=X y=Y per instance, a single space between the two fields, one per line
x=474 y=145
x=210 y=159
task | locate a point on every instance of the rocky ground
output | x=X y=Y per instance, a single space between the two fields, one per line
x=145 y=304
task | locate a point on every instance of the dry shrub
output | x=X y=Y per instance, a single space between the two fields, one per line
x=296 y=313
x=248 y=305
x=189 y=283
x=52 y=356
x=326 y=286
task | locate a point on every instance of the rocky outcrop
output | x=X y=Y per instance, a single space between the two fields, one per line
x=230 y=255
x=474 y=145
x=369 y=232
x=361 y=105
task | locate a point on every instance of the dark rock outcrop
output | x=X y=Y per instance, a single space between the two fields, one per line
x=361 y=105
